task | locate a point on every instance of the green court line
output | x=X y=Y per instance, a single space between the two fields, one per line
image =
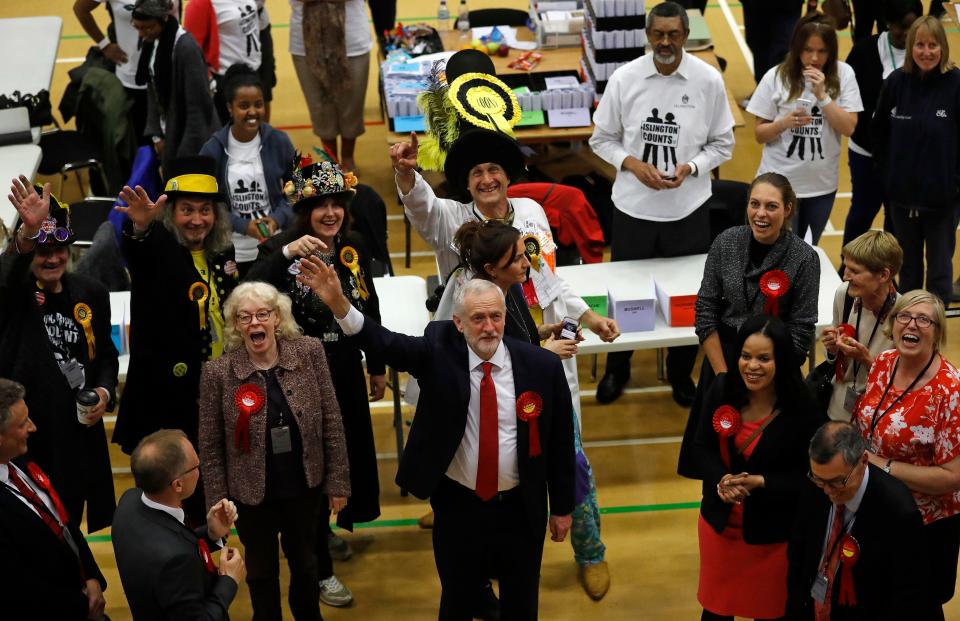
x=670 y=506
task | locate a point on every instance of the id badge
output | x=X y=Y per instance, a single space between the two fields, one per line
x=72 y=370
x=280 y=440
x=850 y=399
x=819 y=589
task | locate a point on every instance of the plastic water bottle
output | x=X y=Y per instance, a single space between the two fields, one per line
x=807 y=98
x=463 y=19
x=443 y=14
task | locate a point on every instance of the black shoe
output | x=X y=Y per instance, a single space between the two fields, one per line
x=610 y=388
x=487 y=606
x=684 y=391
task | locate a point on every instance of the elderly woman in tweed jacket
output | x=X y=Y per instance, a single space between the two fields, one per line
x=761 y=267
x=271 y=440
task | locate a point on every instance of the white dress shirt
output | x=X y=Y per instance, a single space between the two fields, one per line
x=26 y=478
x=463 y=467
x=176 y=512
x=683 y=116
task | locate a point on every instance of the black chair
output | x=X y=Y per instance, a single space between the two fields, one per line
x=727 y=205
x=87 y=215
x=66 y=151
x=480 y=18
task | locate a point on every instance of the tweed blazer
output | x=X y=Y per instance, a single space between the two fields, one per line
x=305 y=379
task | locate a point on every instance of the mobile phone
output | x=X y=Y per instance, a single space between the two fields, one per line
x=568 y=329
x=264 y=229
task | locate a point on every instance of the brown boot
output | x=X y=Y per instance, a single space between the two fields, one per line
x=426 y=520
x=596 y=579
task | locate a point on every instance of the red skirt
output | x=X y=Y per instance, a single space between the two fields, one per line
x=740 y=579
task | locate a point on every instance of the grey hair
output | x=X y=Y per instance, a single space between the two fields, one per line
x=11 y=392
x=669 y=9
x=220 y=237
x=837 y=437
x=476 y=286
x=266 y=294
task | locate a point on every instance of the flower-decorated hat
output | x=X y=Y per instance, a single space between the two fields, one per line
x=310 y=182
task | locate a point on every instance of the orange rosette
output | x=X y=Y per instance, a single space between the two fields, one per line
x=249 y=400
x=774 y=285
x=529 y=406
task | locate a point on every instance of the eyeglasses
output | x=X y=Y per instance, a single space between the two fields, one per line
x=674 y=36
x=261 y=315
x=904 y=318
x=185 y=473
x=61 y=234
x=831 y=483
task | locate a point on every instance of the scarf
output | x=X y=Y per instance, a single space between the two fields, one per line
x=324 y=40
x=163 y=66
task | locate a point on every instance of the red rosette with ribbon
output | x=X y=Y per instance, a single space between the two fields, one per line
x=206 y=557
x=848 y=331
x=249 y=399
x=529 y=406
x=40 y=478
x=849 y=555
x=774 y=285
x=726 y=422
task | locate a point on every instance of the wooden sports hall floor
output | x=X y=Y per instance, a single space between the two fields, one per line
x=650 y=514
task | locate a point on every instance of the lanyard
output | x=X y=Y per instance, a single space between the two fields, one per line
x=845 y=529
x=877 y=415
x=880 y=317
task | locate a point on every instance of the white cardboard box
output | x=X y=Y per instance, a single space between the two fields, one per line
x=634 y=305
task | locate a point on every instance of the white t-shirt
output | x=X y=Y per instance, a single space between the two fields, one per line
x=129 y=41
x=808 y=156
x=238 y=27
x=358 y=38
x=247 y=185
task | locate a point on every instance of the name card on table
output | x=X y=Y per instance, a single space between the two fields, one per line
x=531 y=117
x=633 y=306
x=404 y=124
x=569 y=117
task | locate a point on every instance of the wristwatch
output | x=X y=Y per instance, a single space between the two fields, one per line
x=887 y=467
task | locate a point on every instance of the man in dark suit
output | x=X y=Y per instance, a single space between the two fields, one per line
x=864 y=517
x=492 y=434
x=46 y=567
x=166 y=568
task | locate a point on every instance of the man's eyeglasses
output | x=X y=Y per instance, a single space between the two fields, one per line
x=261 y=315
x=831 y=483
x=185 y=473
x=904 y=318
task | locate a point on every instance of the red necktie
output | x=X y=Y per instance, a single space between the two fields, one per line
x=37 y=503
x=489 y=454
x=822 y=611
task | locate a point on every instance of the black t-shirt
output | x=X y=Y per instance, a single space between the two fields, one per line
x=285 y=476
x=65 y=334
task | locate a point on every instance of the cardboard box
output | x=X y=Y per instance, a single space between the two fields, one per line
x=634 y=306
x=677 y=304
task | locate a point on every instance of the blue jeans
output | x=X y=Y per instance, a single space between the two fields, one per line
x=813 y=213
x=866 y=200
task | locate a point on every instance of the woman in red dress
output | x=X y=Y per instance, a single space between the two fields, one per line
x=752 y=447
x=910 y=417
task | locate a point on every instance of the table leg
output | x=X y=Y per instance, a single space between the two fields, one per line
x=661 y=364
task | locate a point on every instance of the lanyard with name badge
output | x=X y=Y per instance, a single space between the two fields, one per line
x=819 y=589
x=877 y=415
x=281 y=440
x=852 y=395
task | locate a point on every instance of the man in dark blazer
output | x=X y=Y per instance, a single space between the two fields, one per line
x=880 y=514
x=487 y=517
x=46 y=568
x=55 y=339
x=166 y=568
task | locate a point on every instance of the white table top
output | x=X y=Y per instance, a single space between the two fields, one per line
x=592 y=279
x=29 y=47
x=15 y=160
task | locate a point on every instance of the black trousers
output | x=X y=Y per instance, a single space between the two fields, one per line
x=645 y=239
x=865 y=14
x=942 y=541
x=933 y=231
x=471 y=537
x=324 y=561
x=138 y=113
x=295 y=521
x=767 y=27
x=384 y=15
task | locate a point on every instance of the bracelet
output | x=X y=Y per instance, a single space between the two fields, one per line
x=34 y=238
x=887 y=467
x=824 y=102
x=103 y=43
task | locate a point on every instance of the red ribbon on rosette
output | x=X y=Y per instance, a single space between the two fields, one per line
x=843 y=330
x=529 y=406
x=40 y=478
x=849 y=554
x=774 y=285
x=726 y=422
x=249 y=399
x=206 y=556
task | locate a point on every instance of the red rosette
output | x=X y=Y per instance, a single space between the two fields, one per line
x=305 y=160
x=206 y=557
x=249 y=400
x=774 y=285
x=726 y=422
x=40 y=478
x=849 y=554
x=529 y=406
x=843 y=330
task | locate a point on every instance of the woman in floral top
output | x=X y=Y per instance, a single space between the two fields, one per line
x=910 y=417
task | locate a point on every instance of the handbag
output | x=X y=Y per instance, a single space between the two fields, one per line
x=820 y=380
x=839 y=11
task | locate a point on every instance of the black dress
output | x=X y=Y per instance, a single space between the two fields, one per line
x=343 y=356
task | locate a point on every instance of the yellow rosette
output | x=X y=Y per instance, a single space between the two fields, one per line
x=485 y=101
x=531 y=246
x=350 y=260
x=199 y=292
x=84 y=316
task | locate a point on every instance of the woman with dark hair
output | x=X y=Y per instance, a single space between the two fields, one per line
x=180 y=114
x=758 y=268
x=803 y=106
x=252 y=160
x=752 y=450
x=916 y=142
x=321 y=193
